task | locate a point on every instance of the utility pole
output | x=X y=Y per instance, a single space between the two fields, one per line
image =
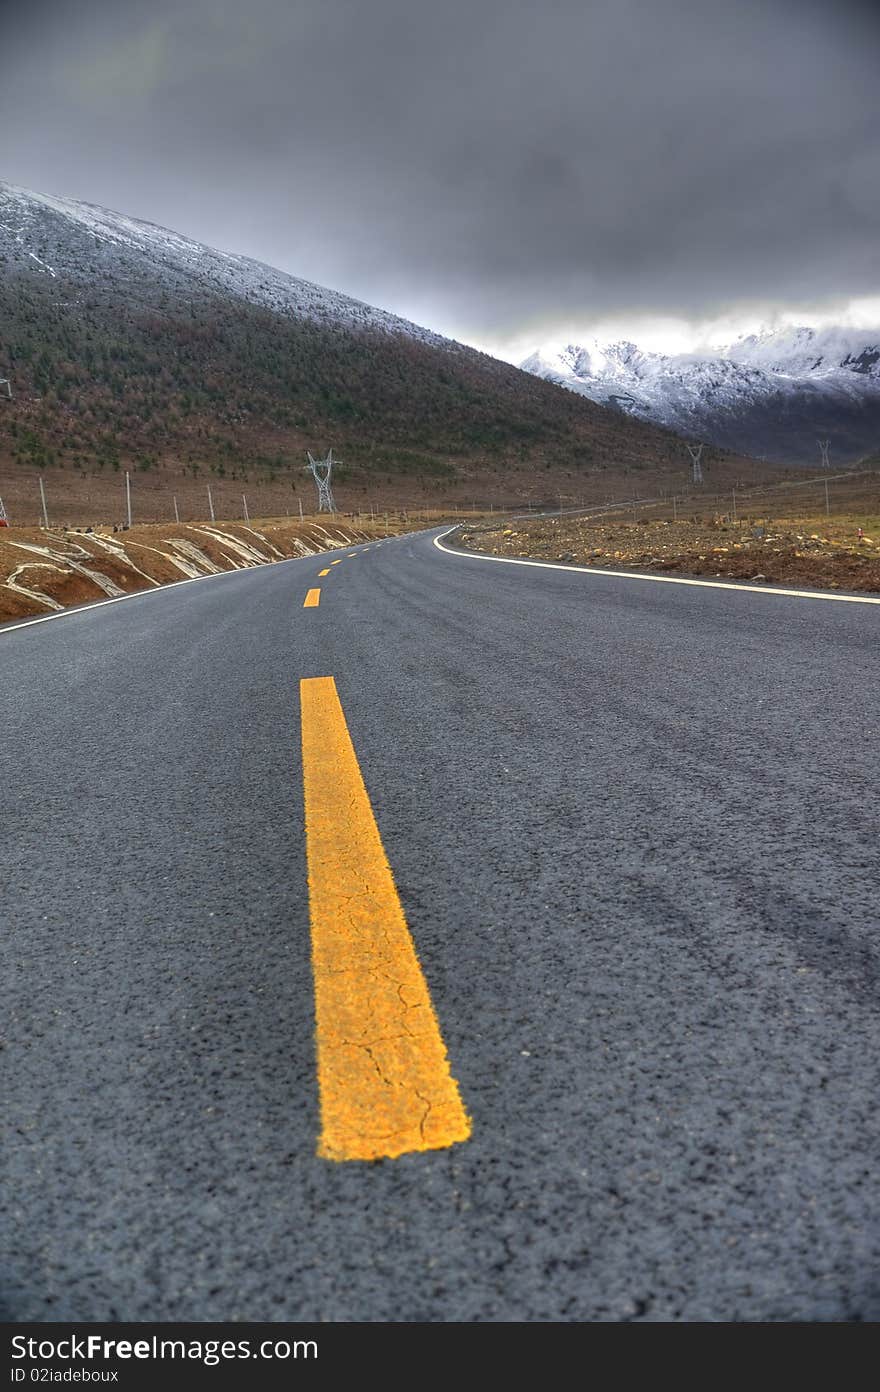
x=696 y=452
x=674 y=508
x=210 y=503
x=244 y=504
x=128 y=496
x=43 y=501
x=176 y=511
x=300 y=501
x=824 y=446
x=734 y=504
x=827 y=503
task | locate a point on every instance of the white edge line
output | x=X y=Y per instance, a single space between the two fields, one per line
x=139 y=594
x=597 y=571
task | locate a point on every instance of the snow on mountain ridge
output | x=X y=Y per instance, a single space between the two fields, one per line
x=766 y=393
x=793 y=352
x=33 y=223
x=799 y=350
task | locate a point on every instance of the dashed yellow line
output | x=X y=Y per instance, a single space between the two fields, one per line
x=384 y=1078
x=339 y=561
x=312 y=599
x=324 y=572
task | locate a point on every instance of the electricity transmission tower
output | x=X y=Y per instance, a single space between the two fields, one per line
x=824 y=446
x=325 y=493
x=4 y=520
x=5 y=382
x=695 y=452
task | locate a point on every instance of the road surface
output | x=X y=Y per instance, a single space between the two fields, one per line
x=632 y=827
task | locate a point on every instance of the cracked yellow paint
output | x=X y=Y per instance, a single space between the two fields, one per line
x=383 y=1074
x=312 y=599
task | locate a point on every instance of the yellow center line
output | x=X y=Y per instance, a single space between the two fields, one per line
x=324 y=572
x=352 y=553
x=312 y=599
x=339 y=562
x=383 y=1075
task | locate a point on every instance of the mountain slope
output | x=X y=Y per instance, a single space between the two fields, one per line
x=130 y=344
x=770 y=394
x=87 y=241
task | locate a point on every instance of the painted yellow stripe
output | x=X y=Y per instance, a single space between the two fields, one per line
x=383 y=1074
x=312 y=599
x=339 y=562
x=352 y=553
x=324 y=572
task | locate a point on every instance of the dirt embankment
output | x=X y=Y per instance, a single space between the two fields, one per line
x=42 y=570
x=811 y=552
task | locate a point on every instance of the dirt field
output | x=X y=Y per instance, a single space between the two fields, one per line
x=817 y=552
x=42 y=570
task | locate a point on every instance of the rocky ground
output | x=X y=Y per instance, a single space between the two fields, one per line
x=825 y=553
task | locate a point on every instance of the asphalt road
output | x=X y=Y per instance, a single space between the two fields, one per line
x=633 y=828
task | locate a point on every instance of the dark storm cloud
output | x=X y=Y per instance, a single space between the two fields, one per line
x=483 y=165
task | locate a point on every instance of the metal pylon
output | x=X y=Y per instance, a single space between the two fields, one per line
x=695 y=452
x=4 y=520
x=325 y=492
x=5 y=382
x=824 y=447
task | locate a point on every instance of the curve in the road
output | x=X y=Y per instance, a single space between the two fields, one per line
x=657 y=579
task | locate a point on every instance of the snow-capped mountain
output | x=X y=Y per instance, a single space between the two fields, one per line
x=770 y=394
x=126 y=344
x=60 y=236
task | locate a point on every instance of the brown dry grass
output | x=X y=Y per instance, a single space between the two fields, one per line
x=82 y=497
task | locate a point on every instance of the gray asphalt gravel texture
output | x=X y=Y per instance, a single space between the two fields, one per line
x=633 y=826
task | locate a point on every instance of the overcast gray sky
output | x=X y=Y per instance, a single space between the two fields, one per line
x=502 y=171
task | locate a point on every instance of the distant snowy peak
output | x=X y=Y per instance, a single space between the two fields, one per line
x=797 y=352
x=61 y=237
x=794 y=352
x=765 y=393
x=593 y=359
